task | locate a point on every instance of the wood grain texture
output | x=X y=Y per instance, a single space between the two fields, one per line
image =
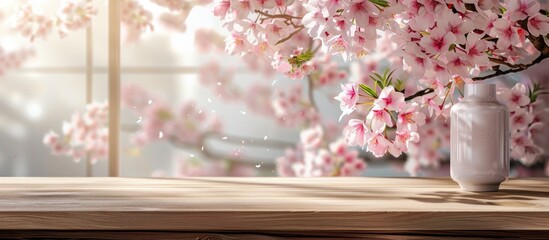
x=269 y=204
x=371 y=235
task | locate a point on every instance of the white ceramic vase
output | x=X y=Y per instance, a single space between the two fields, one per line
x=479 y=159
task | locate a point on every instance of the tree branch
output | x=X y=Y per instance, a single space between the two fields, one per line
x=283 y=16
x=290 y=36
x=518 y=68
x=419 y=94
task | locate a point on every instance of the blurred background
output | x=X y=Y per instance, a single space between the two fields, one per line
x=177 y=62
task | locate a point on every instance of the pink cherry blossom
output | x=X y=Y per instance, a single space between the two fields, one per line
x=507 y=34
x=378 y=119
x=356 y=133
x=77 y=14
x=410 y=117
x=84 y=135
x=515 y=98
x=348 y=98
x=390 y=99
x=438 y=41
x=521 y=9
x=378 y=144
x=538 y=25
x=336 y=160
x=403 y=139
x=520 y=119
x=312 y=137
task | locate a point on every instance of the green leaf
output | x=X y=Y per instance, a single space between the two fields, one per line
x=502 y=10
x=380 y=3
x=535 y=91
x=368 y=90
x=390 y=77
x=399 y=86
x=297 y=61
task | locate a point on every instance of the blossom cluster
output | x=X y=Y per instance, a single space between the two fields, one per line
x=433 y=39
x=85 y=135
x=431 y=149
x=290 y=109
x=525 y=121
x=13 y=59
x=313 y=157
x=72 y=15
x=186 y=124
x=268 y=29
x=388 y=110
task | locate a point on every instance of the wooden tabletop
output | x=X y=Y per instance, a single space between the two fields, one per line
x=268 y=204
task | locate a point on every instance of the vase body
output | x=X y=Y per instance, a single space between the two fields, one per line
x=479 y=159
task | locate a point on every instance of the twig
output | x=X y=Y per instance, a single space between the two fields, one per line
x=310 y=92
x=512 y=70
x=283 y=16
x=289 y=36
x=419 y=94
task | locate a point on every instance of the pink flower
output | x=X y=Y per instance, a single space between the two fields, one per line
x=507 y=34
x=361 y=11
x=77 y=14
x=410 y=117
x=32 y=24
x=458 y=26
x=236 y=44
x=221 y=7
x=378 y=145
x=314 y=20
x=275 y=31
x=519 y=142
x=438 y=41
x=402 y=140
x=390 y=99
x=538 y=25
x=475 y=48
x=378 y=119
x=531 y=155
x=347 y=98
x=520 y=119
x=515 y=97
x=521 y=9
x=356 y=133
x=417 y=61
x=312 y=137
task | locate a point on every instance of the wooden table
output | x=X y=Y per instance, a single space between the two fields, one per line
x=269 y=208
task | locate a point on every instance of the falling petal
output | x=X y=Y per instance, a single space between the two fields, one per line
x=224 y=138
x=160 y=135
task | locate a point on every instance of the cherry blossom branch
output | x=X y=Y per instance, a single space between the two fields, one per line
x=290 y=36
x=229 y=138
x=283 y=16
x=518 y=68
x=235 y=139
x=419 y=94
x=210 y=154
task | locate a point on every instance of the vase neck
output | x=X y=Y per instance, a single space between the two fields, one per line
x=480 y=91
